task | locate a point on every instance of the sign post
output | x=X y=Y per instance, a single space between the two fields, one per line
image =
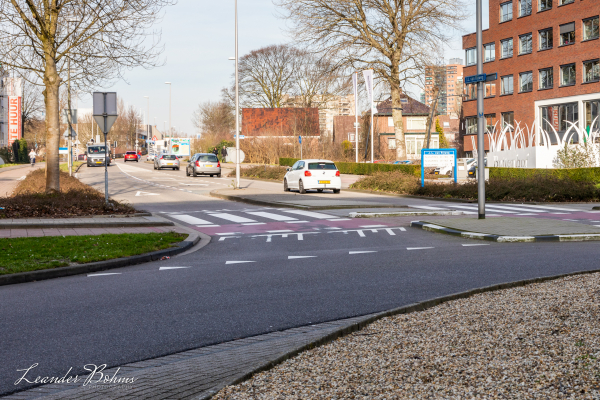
x=300 y=141
x=437 y=158
x=105 y=114
x=480 y=117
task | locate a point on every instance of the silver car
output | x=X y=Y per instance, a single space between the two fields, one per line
x=203 y=164
x=166 y=161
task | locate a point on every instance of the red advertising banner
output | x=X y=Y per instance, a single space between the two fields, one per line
x=14 y=119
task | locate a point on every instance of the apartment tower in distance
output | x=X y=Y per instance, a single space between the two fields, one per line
x=449 y=78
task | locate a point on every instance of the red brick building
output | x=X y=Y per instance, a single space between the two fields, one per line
x=280 y=121
x=546 y=55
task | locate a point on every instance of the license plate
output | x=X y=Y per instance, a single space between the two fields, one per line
x=98 y=162
x=324 y=182
x=170 y=163
x=208 y=166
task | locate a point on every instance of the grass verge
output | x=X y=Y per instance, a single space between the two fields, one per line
x=31 y=254
x=8 y=165
x=75 y=199
x=538 y=188
x=275 y=173
x=65 y=167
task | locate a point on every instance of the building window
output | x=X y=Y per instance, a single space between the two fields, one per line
x=506 y=85
x=524 y=7
x=390 y=122
x=508 y=120
x=392 y=143
x=567 y=75
x=525 y=44
x=592 y=116
x=546 y=39
x=471 y=91
x=545 y=5
x=506 y=48
x=559 y=118
x=591 y=71
x=490 y=89
x=567 y=34
x=489 y=52
x=590 y=28
x=471 y=125
x=525 y=82
x=563 y=2
x=546 y=78
x=471 y=56
x=506 y=11
x=490 y=121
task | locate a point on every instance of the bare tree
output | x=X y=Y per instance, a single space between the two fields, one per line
x=100 y=38
x=395 y=38
x=214 y=118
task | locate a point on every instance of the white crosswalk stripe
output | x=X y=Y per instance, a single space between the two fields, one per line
x=275 y=217
x=188 y=219
x=233 y=218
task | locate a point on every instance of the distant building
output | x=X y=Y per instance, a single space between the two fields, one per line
x=450 y=80
x=329 y=108
x=280 y=121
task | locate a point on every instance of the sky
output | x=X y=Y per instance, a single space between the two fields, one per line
x=199 y=39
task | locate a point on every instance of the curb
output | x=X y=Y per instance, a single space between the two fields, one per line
x=368 y=319
x=287 y=205
x=60 y=272
x=505 y=239
x=69 y=225
x=403 y=214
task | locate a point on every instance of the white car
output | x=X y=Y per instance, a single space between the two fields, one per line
x=316 y=175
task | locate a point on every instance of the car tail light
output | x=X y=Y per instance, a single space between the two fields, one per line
x=337 y=173
x=307 y=173
x=161 y=157
x=218 y=165
x=197 y=163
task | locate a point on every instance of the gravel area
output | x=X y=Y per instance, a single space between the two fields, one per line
x=541 y=341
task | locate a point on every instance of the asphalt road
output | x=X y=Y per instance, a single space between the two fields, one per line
x=251 y=279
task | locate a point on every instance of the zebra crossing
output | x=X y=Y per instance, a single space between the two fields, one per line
x=250 y=217
x=502 y=209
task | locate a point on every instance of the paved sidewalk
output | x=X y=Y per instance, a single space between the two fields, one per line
x=197 y=373
x=91 y=222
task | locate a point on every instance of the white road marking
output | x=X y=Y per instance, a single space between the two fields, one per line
x=391 y=232
x=255 y=223
x=140 y=193
x=238 y=262
x=227 y=233
x=597 y=225
x=191 y=220
x=110 y=273
x=310 y=214
x=296 y=257
x=360 y=233
x=475 y=244
x=474 y=207
x=233 y=218
x=331 y=228
x=281 y=231
x=21 y=178
x=296 y=222
x=517 y=208
x=272 y=216
x=550 y=208
x=221 y=239
x=528 y=214
x=373 y=226
x=428 y=208
x=419 y=248
x=340 y=219
x=167 y=268
x=361 y=252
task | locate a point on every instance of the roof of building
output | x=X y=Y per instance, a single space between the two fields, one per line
x=410 y=106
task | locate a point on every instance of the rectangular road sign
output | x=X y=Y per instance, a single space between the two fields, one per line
x=475 y=78
x=437 y=158
x=491 y=77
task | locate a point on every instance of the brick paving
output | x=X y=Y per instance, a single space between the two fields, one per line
x=197 y=373
x=521 y=226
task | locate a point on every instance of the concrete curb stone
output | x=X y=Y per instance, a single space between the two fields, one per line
x=507 y=238
x=60 y=272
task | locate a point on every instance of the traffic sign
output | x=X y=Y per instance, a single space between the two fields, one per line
x=491 y=77
x=300 y=139
x=475 y=78
x=241 y=136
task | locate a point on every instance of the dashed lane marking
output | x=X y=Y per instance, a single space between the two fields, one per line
x=362 y=252
x=339 y=219
x=477 y=244
x=109 y=273
x=297 y=257
x=238 y=262
x=167 y=268
x=373 y=226
x=281 y=231
x=419 y=248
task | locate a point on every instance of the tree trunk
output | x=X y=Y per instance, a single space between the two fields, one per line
x=398 y=124
x=51 y=99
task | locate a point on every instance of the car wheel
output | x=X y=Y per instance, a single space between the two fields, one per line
x=211 y=176
x=137 y=160
x=336 y=191
x=285 y=186
x=194 y=174
x=320 y=190
x=187 y=172
x=219 y=175
x=301 y=187
x=154 y=166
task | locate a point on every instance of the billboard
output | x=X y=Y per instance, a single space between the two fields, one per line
x=13 y=93
x=180 y=146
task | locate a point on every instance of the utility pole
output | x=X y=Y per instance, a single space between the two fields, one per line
x=237 y=106
x=148 y=119
x=480 y=120
x=169 y=83
x=69 y=121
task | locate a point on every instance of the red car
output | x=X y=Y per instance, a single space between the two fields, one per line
x=131 y=156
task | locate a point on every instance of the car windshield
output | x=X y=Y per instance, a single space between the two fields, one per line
x=322 y=165
x=96 y=150
x=169 y=157
x=131 y=152
x=208 y=157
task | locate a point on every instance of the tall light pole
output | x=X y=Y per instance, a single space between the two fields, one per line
x=480 y=120
x=148 y=119
x=237 y=106
x=169 y=83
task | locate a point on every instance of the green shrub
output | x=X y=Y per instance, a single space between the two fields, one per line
x=262 y=172
x=392 y=181
x=574 y=174
x=287 y=162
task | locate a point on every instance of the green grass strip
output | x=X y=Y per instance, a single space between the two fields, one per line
x=35 y=253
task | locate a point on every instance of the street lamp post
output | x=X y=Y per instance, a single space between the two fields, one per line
x=169 y=83
x=148 y=119
x=237 y=106
x=480 y=120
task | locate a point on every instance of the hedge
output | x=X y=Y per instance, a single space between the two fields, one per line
x=363 y=168
x=574 y=174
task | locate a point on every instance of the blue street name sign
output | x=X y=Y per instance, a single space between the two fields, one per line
x=300 y=139
x=491 y=77
x=475 y=78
